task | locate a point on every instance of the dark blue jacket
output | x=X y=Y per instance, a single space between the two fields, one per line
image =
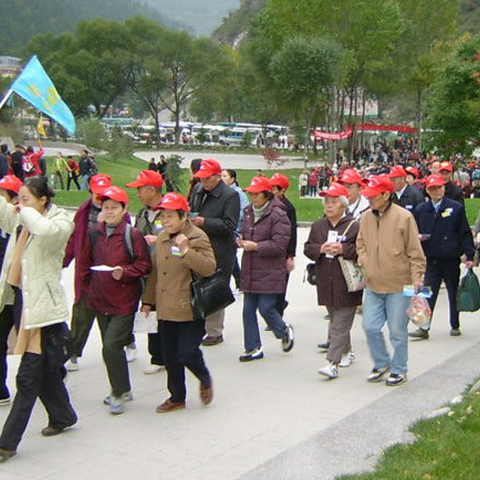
x=450 y=234
x=411 y=197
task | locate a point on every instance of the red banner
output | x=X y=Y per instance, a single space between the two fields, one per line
x=320 y=135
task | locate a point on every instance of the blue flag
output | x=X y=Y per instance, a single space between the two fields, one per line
x=35 y=86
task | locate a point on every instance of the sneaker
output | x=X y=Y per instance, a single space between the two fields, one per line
x=455 y=332
x=347 y=360
x=288 y=339
x=117 y=405
x=377 y=373
x=152 y=368
x=72 y=365
x=4 y=401
x=419 y=334
x=329 y=370
x=211 y=341
x=255 y=354
x=169 y=406
x=126 y=397
x=395 y=379
x=131 y=352
x=324 y=346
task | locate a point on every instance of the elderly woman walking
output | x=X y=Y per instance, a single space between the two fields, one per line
x=329 y=238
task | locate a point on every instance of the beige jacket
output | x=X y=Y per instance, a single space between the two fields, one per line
x=44 y=301
x=169 y=284
x=389 y=250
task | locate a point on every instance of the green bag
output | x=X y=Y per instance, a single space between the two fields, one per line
x=468 y=294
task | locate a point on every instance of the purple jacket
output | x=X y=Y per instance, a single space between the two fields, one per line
x=264 y=270
x=75 y=247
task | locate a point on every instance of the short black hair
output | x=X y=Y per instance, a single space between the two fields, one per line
x=40 y=188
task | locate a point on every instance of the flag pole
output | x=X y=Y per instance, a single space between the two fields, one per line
x=6 y=97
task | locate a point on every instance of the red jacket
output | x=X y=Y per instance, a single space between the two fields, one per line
x=105 y=294
x=34 y=158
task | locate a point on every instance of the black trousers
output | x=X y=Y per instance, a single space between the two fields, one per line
x=82 y=321
x=449 y=271
x=155 y=349
x=181 y=347
x=72 y=177
x=36 y=379
x=6 y=324
x=282 y=302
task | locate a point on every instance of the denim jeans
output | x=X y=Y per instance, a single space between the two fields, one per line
x=266 y=305
x=390 y=308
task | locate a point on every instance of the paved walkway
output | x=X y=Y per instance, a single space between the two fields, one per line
x=271 y=419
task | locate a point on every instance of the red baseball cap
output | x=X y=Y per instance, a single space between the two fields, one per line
x=434 y=180
x=280 y=180
x=208 y=168
x=413 y=171
x=174 y=201
x=11 y=182
x=377 y=184
x=351 y=176
x=98 y=183
x=446 y=166
x=115 y=193
x=147 y=177
x=335 y=190
x=397 y=171
x=259 y=184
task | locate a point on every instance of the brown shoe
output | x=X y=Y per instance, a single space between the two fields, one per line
x=51 y=431
x=168 y=406
x=206 y=393
x=6 y=454
x=210 y=341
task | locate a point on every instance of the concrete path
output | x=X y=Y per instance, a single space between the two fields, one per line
x=276 y=418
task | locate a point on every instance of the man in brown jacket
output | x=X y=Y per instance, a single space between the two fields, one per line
x=390 y=253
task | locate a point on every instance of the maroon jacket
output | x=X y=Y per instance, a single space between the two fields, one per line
x=75 y=248
x=264 y=270
x=105 y=294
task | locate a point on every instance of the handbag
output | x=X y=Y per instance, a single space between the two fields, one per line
x=468 y=293
x=352 y=272
x=311 y=274
x=57 y=345
x=210 y=294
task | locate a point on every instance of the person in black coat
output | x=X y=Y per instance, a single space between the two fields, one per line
x=3 y=160
x=445 y=236
x=215 y=208
x=405 y=195
x=280 y=185
x=17 y=162
x=452 y=190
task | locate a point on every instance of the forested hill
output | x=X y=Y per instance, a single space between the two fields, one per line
x=237 y=22
x=21 y=19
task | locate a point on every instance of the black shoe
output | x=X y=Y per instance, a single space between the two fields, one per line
x=6 y=454
x=288 y=339
x=324 y=346
x=395 y=379
x=455 y=332
x=255 y=354
x=419 y=334
x=377 y=373
x=211 y=341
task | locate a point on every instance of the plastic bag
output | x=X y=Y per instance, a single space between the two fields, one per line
x=419 y=312
x=468 y=293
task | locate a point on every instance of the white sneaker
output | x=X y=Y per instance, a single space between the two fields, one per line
x=347 y=359
x=151 y=369
x=131 y=352
x=329 y=370
x=126 y=397
x=72 y=366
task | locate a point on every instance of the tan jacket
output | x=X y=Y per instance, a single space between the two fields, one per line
x=169 y=284
x=389 y=250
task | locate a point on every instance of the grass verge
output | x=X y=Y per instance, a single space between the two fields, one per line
x=446 y=448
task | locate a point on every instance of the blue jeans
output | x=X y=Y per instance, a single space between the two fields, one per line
x=391 y=308
x=266 y=305
x=84 y=182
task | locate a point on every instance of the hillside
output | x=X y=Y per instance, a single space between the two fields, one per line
x=23 y=19
x=470 y=15
x=202 y=16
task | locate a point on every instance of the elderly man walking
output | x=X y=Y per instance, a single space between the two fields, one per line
x=215 y=208
x=391 y=256
x=445 y=236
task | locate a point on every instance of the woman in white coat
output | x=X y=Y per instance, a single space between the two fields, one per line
x=39 y=232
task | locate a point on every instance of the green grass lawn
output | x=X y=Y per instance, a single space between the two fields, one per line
x=126 y=170
x=446 y=449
